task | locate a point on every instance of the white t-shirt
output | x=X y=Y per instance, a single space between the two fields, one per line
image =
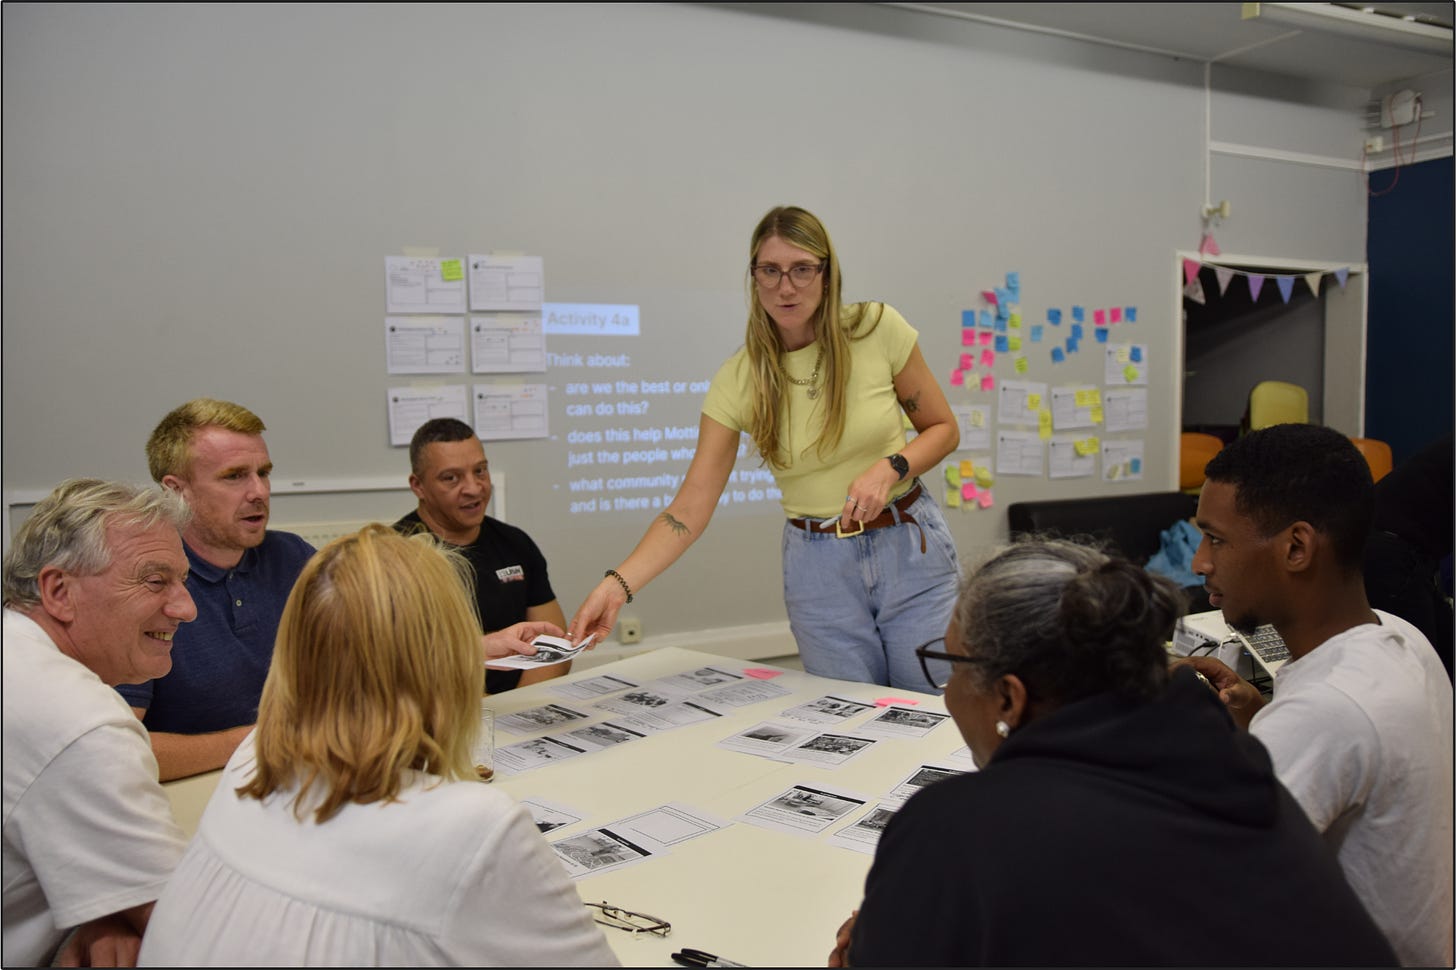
x=88 y=830
x=1360 y=732
x=454 y=874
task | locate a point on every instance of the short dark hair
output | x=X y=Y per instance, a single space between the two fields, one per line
x=437 y=429
x=1301 y=472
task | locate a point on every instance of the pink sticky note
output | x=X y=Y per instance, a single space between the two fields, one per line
x=988 y=383
x=986 y=337
x=957 y=378
x=887 y=701
x=761 y=673
x=985 y=499
x=989 y=296
x=1099 y=318
x=966 y=361
x=968 y=491
x=968 y=338
x=1116 y=314
x=988 y=357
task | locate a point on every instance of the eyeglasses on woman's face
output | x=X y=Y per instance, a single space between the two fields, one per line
x=939 y=681
x=801 y=275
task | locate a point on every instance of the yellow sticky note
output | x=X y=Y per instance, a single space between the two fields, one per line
x=1044 y=424
x=1014 y=320
x=978 y=418
x=451 y=269
x=952 y=498
x=968 y=468
x=1086 y=399
x=1021 y=365
x=1013 y=343
x=1033 y=401
x=1130 y=373
x=984 y=478
x=952 y=475
x=1096 y=414
x=1086 y=446
x=1123 y=355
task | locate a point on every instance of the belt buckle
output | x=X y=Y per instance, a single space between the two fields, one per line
x=841 y=534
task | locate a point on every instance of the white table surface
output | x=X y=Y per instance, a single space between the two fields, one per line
x=759 y=897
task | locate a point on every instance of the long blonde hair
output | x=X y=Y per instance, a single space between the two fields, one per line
x=376 y=673
x=834 y=326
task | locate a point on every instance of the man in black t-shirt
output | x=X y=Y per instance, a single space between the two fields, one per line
x=450 y=476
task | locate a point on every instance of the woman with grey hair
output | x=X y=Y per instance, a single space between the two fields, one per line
x=1118 y=816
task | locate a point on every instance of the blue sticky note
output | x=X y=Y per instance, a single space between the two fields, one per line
x=1135 y=465
x=1013 y=281
x=1054 y=317
x=1129 y=313
x=1076 y=331
x=1057 y=355
x=968 y=318
x=1003 y=311
x=986 y=319
x=1036 y=333
x=1101 y=335
x=1136 y=354
x=1072 y=344
x=1001 y=345
x=1003 y=297
x=1000 y=324
x=1078 y=314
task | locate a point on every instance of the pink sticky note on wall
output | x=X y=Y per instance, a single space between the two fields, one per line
x=1116 y=314
x=957 y=378
x=989 y=296
x=985 y=499
x=986 y=337
x=966 y=361
x=988 y=357
x=761 y=673
x=988 y=383
x=968 y=338
x=1099 y=318
x=968 y=491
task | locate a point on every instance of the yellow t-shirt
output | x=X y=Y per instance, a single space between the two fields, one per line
x=873 y=425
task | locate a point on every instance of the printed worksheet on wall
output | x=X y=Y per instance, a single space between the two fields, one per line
x=423 y=284
x=507 y=283
x=410 y=407
x=1127 y=410
x=505 y=343
x=424 y=345
x=505 y=411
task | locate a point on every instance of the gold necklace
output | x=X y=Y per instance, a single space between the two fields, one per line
x=812 y=379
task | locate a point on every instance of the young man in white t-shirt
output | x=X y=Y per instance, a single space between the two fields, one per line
x=1359 y=727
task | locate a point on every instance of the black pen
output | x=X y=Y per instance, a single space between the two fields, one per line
x=698 y=958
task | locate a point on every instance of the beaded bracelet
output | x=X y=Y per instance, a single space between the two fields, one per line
x=618 y=577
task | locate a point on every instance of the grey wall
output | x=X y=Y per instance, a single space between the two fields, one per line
x=198 y=199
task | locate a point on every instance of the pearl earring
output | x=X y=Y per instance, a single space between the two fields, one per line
x=1003 y=729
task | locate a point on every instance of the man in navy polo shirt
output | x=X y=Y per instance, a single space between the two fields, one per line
x=212 y=453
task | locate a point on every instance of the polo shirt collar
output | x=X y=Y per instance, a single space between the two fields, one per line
x=209 y=573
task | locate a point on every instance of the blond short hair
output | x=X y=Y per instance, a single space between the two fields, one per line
x=169 y=449
x=375 y=674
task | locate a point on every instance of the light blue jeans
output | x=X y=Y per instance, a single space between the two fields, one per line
x=858 y=607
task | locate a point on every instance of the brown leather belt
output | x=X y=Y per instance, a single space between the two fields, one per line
x=896 y=513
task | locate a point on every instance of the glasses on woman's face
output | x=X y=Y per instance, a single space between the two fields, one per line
x=800 y=274
x=939 y=682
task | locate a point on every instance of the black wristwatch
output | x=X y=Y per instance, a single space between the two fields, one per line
x=901 y=466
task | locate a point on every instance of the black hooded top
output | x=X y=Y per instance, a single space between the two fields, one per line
x=1113 y=831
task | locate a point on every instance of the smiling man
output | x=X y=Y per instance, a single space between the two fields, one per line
x=212 y=454
x=1359 y=727
x=450 y=476
x=94 y=596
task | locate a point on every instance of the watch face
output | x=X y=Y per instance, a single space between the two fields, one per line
x=900 y=464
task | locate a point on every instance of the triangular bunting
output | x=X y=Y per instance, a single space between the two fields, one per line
x=1286 y=286
x=1224 y=275
x=1342 y=274
x=1194 y=291
x=1209 y=246
x=1190 y=270
x=1256 y=283
x=1314 y=280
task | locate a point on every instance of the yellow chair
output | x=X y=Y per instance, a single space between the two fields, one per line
x=1277 y=402
x=1195 y=449
x=1377 y=453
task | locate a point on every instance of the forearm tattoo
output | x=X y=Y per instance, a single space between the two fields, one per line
x=676 y=525
x=911 y=404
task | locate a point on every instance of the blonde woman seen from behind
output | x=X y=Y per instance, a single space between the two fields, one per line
x=350 y=828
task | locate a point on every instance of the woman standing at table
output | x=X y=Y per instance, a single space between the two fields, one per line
x=821 y=388
x=1119 y=817
x=350 y=828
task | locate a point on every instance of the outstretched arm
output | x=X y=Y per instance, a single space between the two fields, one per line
x=184 y=755
x=669 y=535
